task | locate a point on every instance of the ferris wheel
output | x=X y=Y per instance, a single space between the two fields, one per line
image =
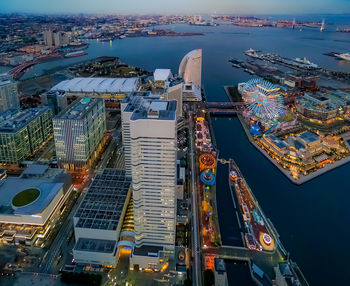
x=264 y=99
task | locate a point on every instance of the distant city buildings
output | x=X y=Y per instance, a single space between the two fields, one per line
x=31 y=205
x=22 y=133
x=8 y=93
x=149 y=136
x=99 y=219
x=79 y=132
x=56 y=38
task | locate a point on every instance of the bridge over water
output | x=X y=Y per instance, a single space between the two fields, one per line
x=225 y=108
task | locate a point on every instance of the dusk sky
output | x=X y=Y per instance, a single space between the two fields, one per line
x=177 y=6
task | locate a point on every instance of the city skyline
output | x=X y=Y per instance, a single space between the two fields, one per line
x=181 y=6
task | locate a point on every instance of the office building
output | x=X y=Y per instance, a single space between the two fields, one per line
x=8 y=93
x=22 y=133
x=99 y=218
x=149 y=134
x=31 y=205
x=55 y=99
x=79 y=132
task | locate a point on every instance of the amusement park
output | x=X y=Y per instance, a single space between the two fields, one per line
x=257 y=236
x=206 y=169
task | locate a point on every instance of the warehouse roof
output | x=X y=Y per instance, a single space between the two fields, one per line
x=98 y=84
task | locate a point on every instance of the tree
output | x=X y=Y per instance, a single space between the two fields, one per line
x=209 y=279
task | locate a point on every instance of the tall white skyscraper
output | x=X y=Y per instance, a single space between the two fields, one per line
x=149 y=136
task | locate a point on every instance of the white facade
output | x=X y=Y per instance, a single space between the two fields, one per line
x=152 y=160
x=191 y=68
x=8 y=94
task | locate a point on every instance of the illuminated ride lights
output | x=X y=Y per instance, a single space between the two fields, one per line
x=208 y=178
x=267 y=239
x=263 y=98
x=207 y=161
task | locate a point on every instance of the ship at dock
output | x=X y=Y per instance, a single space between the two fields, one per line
x=345 y=56
x=75 y=54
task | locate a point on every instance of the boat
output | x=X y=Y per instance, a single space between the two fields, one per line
x=252 y=53
x=233 y=175
x=345 y=56
x=75 y=54
x=306 y=62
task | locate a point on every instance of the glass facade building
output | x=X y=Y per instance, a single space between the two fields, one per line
x=22 y=133
x=79 y=131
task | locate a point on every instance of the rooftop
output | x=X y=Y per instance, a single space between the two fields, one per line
x=95 y=245
x=325 y=101
x=147 y=250
x=156 y=109
x=11 y=186
x=98 y=84
x=78 y=108
x=103 y=204
x=309 y=137
x=162 y=74
x=14 y=120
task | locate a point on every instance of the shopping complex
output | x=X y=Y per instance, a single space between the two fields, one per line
x=31 y=205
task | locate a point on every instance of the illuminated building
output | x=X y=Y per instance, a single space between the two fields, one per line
x=323 y=107
x=99 y=219
x=8 y=93
x=22 y=133
x=30 y=220
x=149 y=136
x=79 y=132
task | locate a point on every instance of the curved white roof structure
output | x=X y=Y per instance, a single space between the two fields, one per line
x=98 y=84
x=191 y=68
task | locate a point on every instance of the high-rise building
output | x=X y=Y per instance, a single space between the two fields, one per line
x=150 y=139
x=79 y=132
x=22 y=133
x=8 y=93
x=48 y=38
x=56 y=99
x=56 y=38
